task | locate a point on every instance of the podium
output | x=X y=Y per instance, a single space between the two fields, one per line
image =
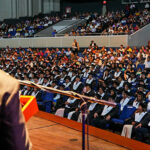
x=29 y=106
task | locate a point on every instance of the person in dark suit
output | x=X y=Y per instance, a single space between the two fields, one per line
x=101 y=94
x=92 y=109
x=139 y=99
x=90 y=80
x=67 y=83
x=77 y=86
x=142 y=132
x=14 y=135
x=103 y=116
x=137 y=120
x=46 y=82
x=59 y=100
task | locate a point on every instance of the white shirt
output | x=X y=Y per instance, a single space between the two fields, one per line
x=147 y=64
x=40 y=81
x=55 y=87
x=92 y=106
x=35 y=93
x=70 y=74
x=76 y=85
x=73 y=78
x=68 y=53
x=124 y=102
x=86 y=74
x=148 y=106
x=70 y=101
x=117 y=74
x=136 y=104
x=45 y=84
x=89 y=81
x=106 y=110
x=139 y=116
x=57 y=97
x=121 y=85
x=67 y=84
x=25 y=92
x=131 y=80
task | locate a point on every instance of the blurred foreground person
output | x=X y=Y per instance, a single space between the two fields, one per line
x=14 y=135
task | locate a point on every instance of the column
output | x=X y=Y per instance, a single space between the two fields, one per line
x=57 y=5
x=30 y=8
x=25 y=8
x=51 y=5
x=40 y=6
x=13 y=9
x=46 y=6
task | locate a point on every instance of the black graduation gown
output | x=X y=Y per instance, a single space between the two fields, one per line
x=101 y=121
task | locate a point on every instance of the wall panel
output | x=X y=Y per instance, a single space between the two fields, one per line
x=5 y=9
x=84 y=41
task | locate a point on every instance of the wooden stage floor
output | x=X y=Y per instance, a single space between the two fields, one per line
x=47 y=135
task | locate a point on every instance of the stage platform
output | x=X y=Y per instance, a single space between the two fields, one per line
x=50 y=132
x=48 y=135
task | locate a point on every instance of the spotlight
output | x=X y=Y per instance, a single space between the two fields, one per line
x=104 y=2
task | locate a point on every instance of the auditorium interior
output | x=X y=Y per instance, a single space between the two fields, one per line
x=80 y=71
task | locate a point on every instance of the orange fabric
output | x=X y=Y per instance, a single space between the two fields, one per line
x=29 y=106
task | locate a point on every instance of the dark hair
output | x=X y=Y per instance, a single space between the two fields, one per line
x=143 y=105
x=126 y=92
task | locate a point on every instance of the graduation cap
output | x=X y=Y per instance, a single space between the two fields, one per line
x=141 y=86
x=64 y=71
x=144 y=73
x=57 y=71
x=140 y=93
x=143 y=105
x=78 y=77
x=102 y=88
x=121 y=76
x=45 y=78
x=126 y=92
x=35 y=77
x=92 y=74
x=110 y=97
x=68 y=78
x=88 y=85
x=55 y=82
x=61 y=86
x=74 y=71
x=128 y=84
x=112 y=89
x=115 y=82
x=133 y=73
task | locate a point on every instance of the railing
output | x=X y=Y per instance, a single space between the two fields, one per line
x=84 y=41
x=92 y=34
x=134 y=1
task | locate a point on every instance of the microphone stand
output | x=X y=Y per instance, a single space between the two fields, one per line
x=83 y=108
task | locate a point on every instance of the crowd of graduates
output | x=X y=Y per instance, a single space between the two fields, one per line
x=120 y=75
